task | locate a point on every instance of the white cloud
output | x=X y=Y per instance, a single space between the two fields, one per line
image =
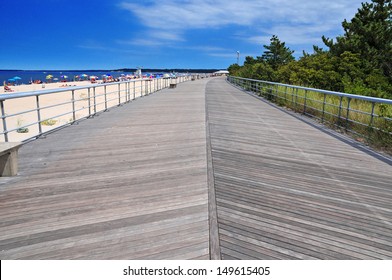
x=297 y=21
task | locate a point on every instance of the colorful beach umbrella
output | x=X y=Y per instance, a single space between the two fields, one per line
x=84 y=76
x=17 y=78
x=49 y=77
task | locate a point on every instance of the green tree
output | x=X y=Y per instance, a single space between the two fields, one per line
x=368 y=34
x=234 y=69
x=250 y=60
x=276 y=54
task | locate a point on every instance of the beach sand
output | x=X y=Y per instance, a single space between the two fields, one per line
x=61 y=114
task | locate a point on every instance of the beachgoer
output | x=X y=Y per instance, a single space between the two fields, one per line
x=7 y=88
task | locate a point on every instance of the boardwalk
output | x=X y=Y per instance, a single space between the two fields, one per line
x=128 y=184
x=286 y=190
x=164 y=178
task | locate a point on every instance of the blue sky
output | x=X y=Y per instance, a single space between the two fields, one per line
x=111 y=34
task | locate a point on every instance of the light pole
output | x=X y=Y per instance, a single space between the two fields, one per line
x=139 y=71
x=238 y=57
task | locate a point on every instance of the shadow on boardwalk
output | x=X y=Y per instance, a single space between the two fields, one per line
x=133 y=183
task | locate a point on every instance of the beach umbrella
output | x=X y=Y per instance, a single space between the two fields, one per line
x=84 y=76
x=64 y=77
x=49 y=77
x=17 y=78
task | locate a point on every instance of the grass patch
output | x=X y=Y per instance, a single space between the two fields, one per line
x=49 y=122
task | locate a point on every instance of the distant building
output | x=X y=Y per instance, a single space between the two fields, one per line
x=221 y=73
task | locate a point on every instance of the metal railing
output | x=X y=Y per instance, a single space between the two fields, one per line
x=368 y=118
x=28 y=115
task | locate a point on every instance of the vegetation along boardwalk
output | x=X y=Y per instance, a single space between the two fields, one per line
x=164 y=178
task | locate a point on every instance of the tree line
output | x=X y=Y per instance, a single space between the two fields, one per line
x=357 y=62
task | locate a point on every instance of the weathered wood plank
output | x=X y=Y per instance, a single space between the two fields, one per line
x=127 y=184
x=286 y=190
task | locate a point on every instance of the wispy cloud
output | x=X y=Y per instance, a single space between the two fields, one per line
x=294 y=21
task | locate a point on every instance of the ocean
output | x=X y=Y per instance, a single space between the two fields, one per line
x=26 y=76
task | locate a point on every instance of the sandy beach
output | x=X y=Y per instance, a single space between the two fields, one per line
x=57 y=115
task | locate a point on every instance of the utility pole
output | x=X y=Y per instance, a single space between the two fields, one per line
x=238 y=57
x=139 y=71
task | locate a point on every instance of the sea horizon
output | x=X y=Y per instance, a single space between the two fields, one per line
x=28 y=76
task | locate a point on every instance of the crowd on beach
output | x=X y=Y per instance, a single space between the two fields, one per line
x=52 y=82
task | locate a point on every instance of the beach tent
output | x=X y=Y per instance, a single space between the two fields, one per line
x=221 y=72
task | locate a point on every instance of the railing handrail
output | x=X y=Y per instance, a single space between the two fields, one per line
x=24 y=94
x=368 y=118
x=336 y=93
x=121 y=94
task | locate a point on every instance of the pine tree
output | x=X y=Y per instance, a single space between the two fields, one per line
x=368 y=34
x=277 y=54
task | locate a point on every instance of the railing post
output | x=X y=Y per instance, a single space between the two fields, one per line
x=371 y=119
x=73 y=105
x=146 y=88
x=292 y=98
x=119 y=94
x=38 y=115
x=134 y=90
x=126 y=91
x=296 y=99
x=95 y=101
x=340 y=110
x=324 y=102
x=129 y=91
x=305 y=99
x=89 y=102
x=285 y=94
x=348 y=112
x=372 y=115
x=106 y=100
x=3 y=117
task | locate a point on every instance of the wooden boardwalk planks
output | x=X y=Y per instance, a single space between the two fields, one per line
x=164 y=178
x=129 y=184
x=286 y=190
